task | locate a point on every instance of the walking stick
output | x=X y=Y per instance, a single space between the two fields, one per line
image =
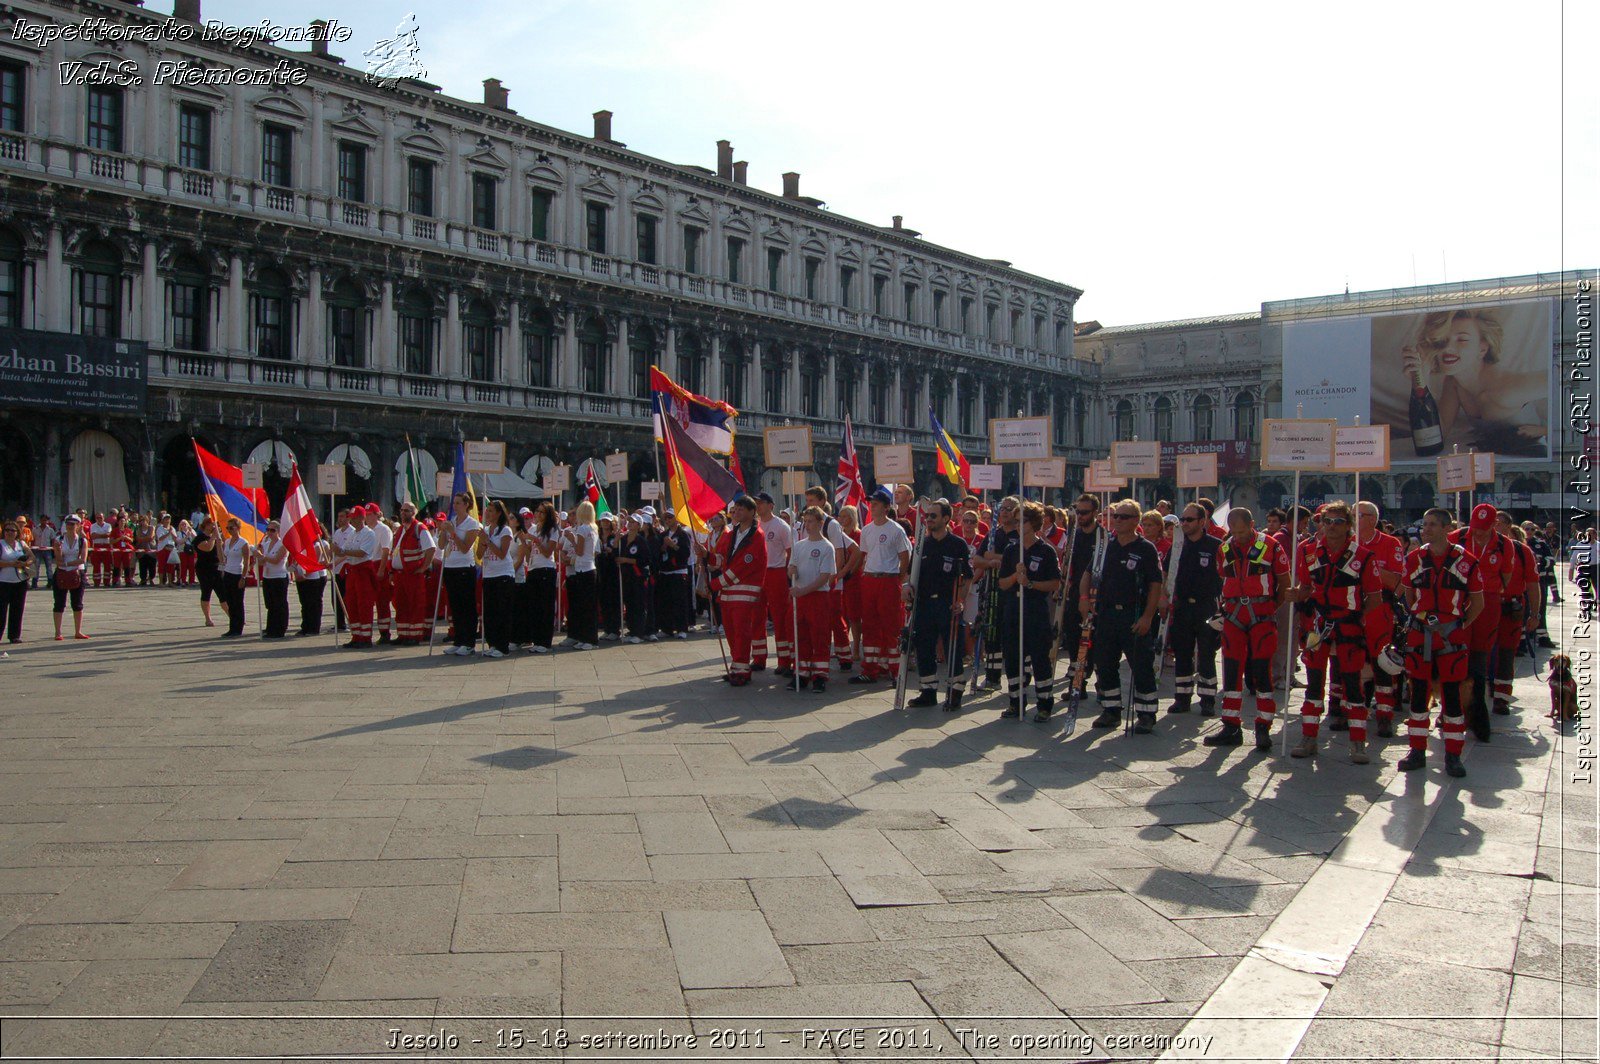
x=337 y=597
x=438 y=590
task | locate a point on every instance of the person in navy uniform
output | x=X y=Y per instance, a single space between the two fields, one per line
x=1039 y=575
x=1194 y=581
x=940 y=599
x=1127 y=597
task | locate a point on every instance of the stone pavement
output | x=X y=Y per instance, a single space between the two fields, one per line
x=280 y=848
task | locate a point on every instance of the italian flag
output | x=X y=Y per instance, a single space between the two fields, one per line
x=592 y=492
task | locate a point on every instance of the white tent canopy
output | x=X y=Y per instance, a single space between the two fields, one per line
x=505 y=485
x=273 y=452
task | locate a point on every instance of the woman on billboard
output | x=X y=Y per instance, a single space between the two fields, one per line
x=1455 y=364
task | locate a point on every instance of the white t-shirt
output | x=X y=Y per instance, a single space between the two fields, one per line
x=231 y=554
x=363 y=540
x=462 y=559
x=779 y=539
x=270 y=548
x=537 y=560
x=583 y=558
x=341 y=541
x=70 y=553
x=385 y=539
x=493 y=566
x=812 y=558
x=12 y=553
x=883 y=545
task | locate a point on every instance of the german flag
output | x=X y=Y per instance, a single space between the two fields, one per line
x=699 y=485
x=953 y=465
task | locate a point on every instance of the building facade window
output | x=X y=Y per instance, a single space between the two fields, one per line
x=477 y=342
x=1204 y=418
x=966 y=315
x=810 y=388
x=733 y=376
x=910 y=294
x=990 y=313
x=691 y=362
x=594 y=227
x=880 y=283
x=416 y=334
x=1124 y=419
x=878 y=396
x=13 y=97
x=813 y=273
x=271 y=318
x=644 y=228
x=100 y=293
x=419 y=188
x=938 y=309
x=347 y=327
x=1244 y=417
x=966 y=411
x=1037 y=339
x=104 y=118
x=735 y=260
x=1162 y=420
x=1080 y=412
x=774 y=270
x=641 y=355
x=847 y=284
x=772 y=385
x=593 y=352
x=11 y=273
x=909 y=416
x=485 y=209
x=352 y=172
x=194 y=137
x=691 y=248
x=845 y=391
x=189 y=291
x=277 y=155
x=542 y=205
x=539 y=349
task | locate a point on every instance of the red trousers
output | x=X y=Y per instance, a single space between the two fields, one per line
x=102 y=561
x=780 y=610
x=360 y=599
x=841 y=627
x=412 y=606
x=817 y=619
x=383 y=597
x=743 y=622
x=882 y=618
x=186 y=567
x=1486 y=629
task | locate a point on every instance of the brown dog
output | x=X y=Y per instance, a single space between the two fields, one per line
x=1563 y=690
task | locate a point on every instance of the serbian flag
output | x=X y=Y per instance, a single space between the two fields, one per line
x=227 y=497
x=301 y=529
x=953 y=465
x=700 y=486
x=592 y=492
x=849 y=491
x=706 y=421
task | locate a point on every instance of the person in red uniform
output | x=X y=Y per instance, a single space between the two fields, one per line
x=1255 y=573
x=121 y=551
x=775 y=596
x=1339 y=579
x=885 y=553
x=100 y=548
x=1389 y=556
x=360 y=552
x=742 y=556
x=1495 y=560
x=1443 y=586
x=1519 y=610
x=410 y=562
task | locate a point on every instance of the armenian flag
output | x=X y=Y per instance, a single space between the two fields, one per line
x=953 y=465
x=227 y=497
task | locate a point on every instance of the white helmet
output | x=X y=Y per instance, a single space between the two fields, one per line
x=1392 y=662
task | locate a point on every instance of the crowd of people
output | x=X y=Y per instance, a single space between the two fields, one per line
x=1382 y=617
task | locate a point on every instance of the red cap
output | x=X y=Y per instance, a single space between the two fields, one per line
x=374 y=508
x=439 y=517
x=1483 y=516
x=427 y=524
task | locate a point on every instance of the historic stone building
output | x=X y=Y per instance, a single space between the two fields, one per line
x=319 y=268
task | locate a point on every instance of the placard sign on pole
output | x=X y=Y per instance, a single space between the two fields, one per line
x=1135 y=459
x=1099 y=479
x=1045 y=473
x=558 y=478
x=617 y=467
x=787 y=446
x=1197 y=470
x=549 y=484
x=1017 y=439
x=794 y=482
x=1361 y=449
x=985 y=477
x=331 y=479
x=250 y=474
x=485 y=456
x=444 y=482
x=1483 y=467
x=1455 y=473
x=650 y=490
x=891 y=463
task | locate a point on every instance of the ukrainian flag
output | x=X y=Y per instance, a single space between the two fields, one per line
x=227 y=497
x=953 y=465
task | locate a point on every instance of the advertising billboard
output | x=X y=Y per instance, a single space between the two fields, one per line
x=1474 y=377
x=81 y=373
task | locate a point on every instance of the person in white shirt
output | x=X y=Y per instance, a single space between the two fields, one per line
x=780 y=608
x=541 y=543
x=72 y=555
x=100 y=550
x=309 y=585
x=233 y=559
x=338 y=542
x=272 y=561
x=499 y=579
x=165 y=544
x=15 y=560
x=382 y=582
x=886 y=555
x=583 y=603
x=459 y=537
x=812 y=566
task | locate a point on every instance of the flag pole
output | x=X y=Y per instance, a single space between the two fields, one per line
x=616 y=530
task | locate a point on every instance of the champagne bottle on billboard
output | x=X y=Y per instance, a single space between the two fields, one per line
x=1427 y=435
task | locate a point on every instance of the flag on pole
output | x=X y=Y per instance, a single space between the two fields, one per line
x=301 y=529
x=706 y=421
x=418 y=492
x=849 y=491
x=953 y=465
x=227 y=497
x=461 y=484
x=699 y=485
x=592 y=492
x=734 y=467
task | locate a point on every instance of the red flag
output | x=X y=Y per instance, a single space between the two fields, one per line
x=734 y=467
x=301 y=529
x=849 y=490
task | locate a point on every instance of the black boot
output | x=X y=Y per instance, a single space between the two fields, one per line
x=1230 y=735
x=1012 y=711
x=1480 y=722
x=1108 y=718
x=1414 y=760
x=1180 y=704
x=1453 y=766
x=1144 y=723
x=952 y=701
x=1386 y=727
x=925 y=697
x=1263 y=736
x=1208 y=706
x=1338 y=721
x=1042 y=711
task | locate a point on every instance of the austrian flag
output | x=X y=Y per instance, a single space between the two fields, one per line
x=301 y=529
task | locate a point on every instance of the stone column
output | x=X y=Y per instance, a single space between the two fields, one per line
x=570 y=379
x=154 y=303
x=57 y=286
x=619 y=359
x=752 y=377
x=791 y=379
x=237 y=305
x=387 y=360
x=830 y=387
x=310 y=342
x=317 y=181
x=452 y=337
x=515 y=360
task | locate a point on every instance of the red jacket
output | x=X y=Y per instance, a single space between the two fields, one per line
x=744 y=569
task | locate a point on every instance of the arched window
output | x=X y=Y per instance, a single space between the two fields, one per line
x=1204 y=418
x=641 y=354
x=1244 y=417
x=539 y=348
x=11 y=285
x=100 y=291
x=1124 y=419
x=416 y=333
x=1163 y=418
x=478 y=342
x=593 y=349
x=270 y=316
x=190 y=294
x=347 y=333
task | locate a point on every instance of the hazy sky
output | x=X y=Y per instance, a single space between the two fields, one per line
x=1171 y=160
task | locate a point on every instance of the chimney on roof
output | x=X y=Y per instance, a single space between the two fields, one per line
x=741 y=173
x=319 y=39
x=725 y=160
x=897 y=220
x=602 y=125
x=791 y=185
x=188 y=10
x=496 y=95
